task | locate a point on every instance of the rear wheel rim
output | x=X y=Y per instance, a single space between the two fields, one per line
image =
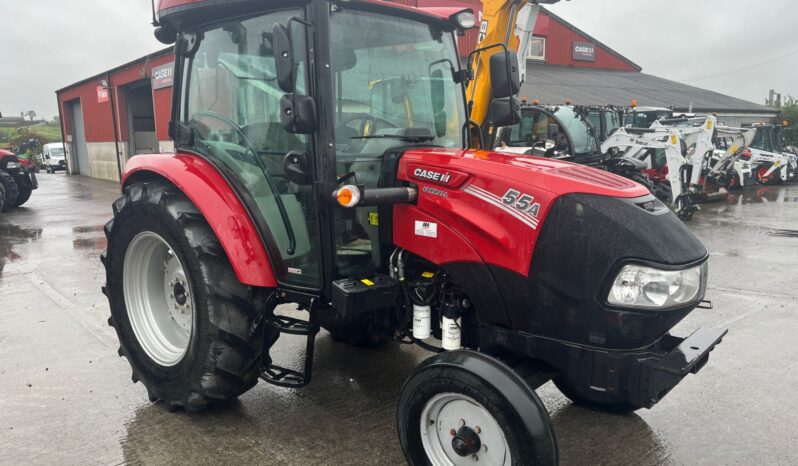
x=446 y=416
x=158 y=298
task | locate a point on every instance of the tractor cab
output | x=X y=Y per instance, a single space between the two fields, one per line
x=389 y=81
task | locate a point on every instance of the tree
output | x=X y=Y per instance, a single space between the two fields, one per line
x=30 y=114
x=789 y=113
x=26 y=134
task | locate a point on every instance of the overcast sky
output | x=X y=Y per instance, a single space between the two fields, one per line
x=48 y=44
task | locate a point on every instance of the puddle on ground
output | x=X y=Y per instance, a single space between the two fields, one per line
x=761 y=195
x=89 y=237
x=784 y=233
x=87 y=229
x=12 y=235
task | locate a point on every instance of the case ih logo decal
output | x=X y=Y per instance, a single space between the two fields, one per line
x=432 y=175
x=521 y=206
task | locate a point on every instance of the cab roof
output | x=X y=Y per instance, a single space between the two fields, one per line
x=169 y=8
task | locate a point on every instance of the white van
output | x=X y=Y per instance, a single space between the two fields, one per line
x=54 y=157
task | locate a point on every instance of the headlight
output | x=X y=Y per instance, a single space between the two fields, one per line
x=647 y=287
x=12 y=165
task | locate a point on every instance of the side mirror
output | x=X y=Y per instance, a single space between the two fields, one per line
x=298 y=114
x=165 y=35
x=505 y=111
x=296 y=167
x=504 y=78
x=283 y=58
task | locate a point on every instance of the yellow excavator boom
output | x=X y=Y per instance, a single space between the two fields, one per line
x=501 y=24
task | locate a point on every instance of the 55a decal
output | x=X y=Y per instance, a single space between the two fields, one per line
x=523 y=202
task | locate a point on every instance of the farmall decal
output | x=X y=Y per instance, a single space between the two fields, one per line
x=432 y=175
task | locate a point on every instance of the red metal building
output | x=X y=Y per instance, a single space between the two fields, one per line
x=122 y=111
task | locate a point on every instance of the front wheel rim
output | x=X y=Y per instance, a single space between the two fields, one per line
x=450 y=419
x=158 y=298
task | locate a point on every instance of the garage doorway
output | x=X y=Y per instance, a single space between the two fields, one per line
x=80 y=152
x=141 y=118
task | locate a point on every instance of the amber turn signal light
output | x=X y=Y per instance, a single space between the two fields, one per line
x=347 y=196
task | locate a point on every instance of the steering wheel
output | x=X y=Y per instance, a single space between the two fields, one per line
x=366 y=117
x=250 y=148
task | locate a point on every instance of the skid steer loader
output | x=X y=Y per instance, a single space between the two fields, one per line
x=328 y=154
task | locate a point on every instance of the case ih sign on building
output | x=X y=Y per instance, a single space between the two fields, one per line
x=584 y=51
x=163 y=76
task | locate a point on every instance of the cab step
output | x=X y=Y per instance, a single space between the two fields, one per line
x=283 y=376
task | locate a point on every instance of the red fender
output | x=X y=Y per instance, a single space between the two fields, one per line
x=220 y=206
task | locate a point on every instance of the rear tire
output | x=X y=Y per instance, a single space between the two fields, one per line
x=592 y=399
x=225 y=347
x=11 y=189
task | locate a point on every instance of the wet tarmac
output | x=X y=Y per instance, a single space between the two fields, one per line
x=67 y=398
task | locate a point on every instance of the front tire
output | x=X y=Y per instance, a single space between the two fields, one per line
x=25 y=190
x=463 y=406
x=166 y=273
x=11 y=189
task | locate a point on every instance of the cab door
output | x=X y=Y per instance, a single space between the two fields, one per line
x=230 y=100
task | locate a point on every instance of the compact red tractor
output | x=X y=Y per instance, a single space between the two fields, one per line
x=18 y=180
x=322 y=158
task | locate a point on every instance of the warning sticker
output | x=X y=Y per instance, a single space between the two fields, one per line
x=483 y=30
x=428 y=229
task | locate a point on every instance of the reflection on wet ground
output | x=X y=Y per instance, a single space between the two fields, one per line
x=12 y=235
x=67 y=398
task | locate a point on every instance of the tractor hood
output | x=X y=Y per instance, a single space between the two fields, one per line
x=547 y=177
x=500 y=203
x=552 y=236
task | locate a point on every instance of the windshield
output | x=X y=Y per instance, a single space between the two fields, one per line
x=393 y=79
x=539 y=129
x=577 y=129
x=56 y=152
x=762 y=139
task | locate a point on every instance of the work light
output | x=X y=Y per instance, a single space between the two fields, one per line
x=465 y=19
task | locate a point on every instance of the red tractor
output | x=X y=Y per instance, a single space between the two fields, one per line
x=18 y=180
x=322 y=158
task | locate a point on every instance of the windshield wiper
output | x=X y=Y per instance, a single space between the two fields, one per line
x=416 y=138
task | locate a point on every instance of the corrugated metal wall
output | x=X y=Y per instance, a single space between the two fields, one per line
x=97 y=116
x=559 y=50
